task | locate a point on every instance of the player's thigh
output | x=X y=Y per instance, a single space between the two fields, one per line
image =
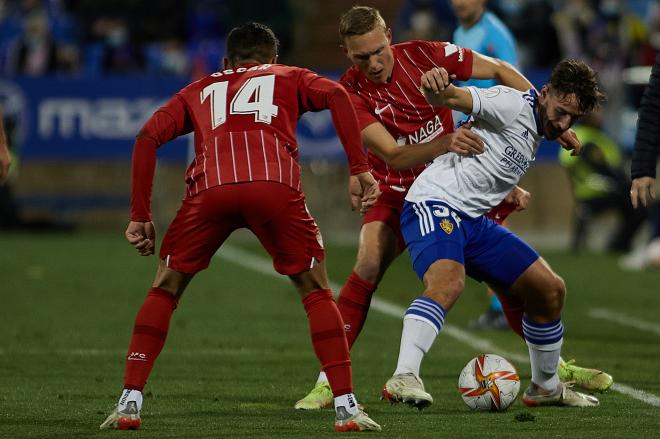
x=496 y=255
x=381 y=240
x=378 y=247
x=200 y=226
x=284 y=227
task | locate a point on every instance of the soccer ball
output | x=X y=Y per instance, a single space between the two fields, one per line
x=489 y=383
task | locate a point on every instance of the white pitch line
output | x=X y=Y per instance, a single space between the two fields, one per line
x=622 y=319
x=264 y=266
x=640 y=395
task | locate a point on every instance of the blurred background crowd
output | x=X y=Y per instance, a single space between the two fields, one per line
x=123 y=42
x=185 y=37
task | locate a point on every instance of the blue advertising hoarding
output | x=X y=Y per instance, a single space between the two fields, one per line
x=90 y=119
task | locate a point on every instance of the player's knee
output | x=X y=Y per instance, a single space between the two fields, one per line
x=447 y=292
x=554 y=294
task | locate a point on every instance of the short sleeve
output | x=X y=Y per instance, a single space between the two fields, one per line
x=498 y=106
x=455 y=59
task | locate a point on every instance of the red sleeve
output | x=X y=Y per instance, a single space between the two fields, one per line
x=169 y=122
x=364 y=113
x=320 y=93
x=455 y=59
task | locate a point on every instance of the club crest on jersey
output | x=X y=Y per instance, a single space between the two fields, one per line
x=447 y=226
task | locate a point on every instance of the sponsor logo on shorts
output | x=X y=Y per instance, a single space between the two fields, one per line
x=447 y=226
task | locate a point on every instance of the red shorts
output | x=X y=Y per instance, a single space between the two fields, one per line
x=274 y=212
x=388 y=210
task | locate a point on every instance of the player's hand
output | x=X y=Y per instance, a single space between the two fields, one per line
x=5 y=161
x=436 y=80
x=518 y=197
x=464 y=142
x=569 y=141
x=142 y=236
x=642 y=191
x=364 y=191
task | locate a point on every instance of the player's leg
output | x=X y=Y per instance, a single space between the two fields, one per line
x=569 y=372
x=543 y=293
x=331 y=348
x=435 y=242
x=191 y=240
x=510 y=264
x=293 y=240
x=379 y=244
x=149 y=333
x=444 y=282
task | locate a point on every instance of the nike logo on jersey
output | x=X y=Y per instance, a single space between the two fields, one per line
x=381 y=109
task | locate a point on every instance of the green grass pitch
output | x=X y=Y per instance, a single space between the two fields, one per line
x=238 y=354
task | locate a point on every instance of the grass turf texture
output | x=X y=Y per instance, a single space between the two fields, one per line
x=238 y=354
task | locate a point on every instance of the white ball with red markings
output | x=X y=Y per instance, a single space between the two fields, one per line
x=489 y=383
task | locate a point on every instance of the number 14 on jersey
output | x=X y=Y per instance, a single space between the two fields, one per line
x=254 y=97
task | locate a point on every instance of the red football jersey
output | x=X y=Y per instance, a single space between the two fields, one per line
x=244 y=121
x=400 y=106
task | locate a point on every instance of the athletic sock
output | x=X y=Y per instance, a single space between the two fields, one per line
x=421 y=324
x=127 y=396
x=544 y=342
x=353 y=304
x=514 y=308
x=348 y=402
x=329 y=340
x=149 y=333
x=494 y=304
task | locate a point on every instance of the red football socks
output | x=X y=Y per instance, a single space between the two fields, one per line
x=353 y=304
x=329 y=340
x=513 y=308
x=149 y=333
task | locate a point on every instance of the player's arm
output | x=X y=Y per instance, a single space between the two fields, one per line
x=166 y=124
x=5 y=157
x=439 y=91
x=485 y=67
x=376 y=137
x=647 y=143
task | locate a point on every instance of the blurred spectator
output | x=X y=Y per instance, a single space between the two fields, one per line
x=168 y=58
x=529 y=21
x=599 y=184
x=35 y=51
x=425 y=20
x=119 y=54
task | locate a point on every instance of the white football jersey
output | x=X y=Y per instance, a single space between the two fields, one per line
x=505 y=119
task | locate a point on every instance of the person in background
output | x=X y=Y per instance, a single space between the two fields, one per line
x=599 y=184
x=645 y=156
